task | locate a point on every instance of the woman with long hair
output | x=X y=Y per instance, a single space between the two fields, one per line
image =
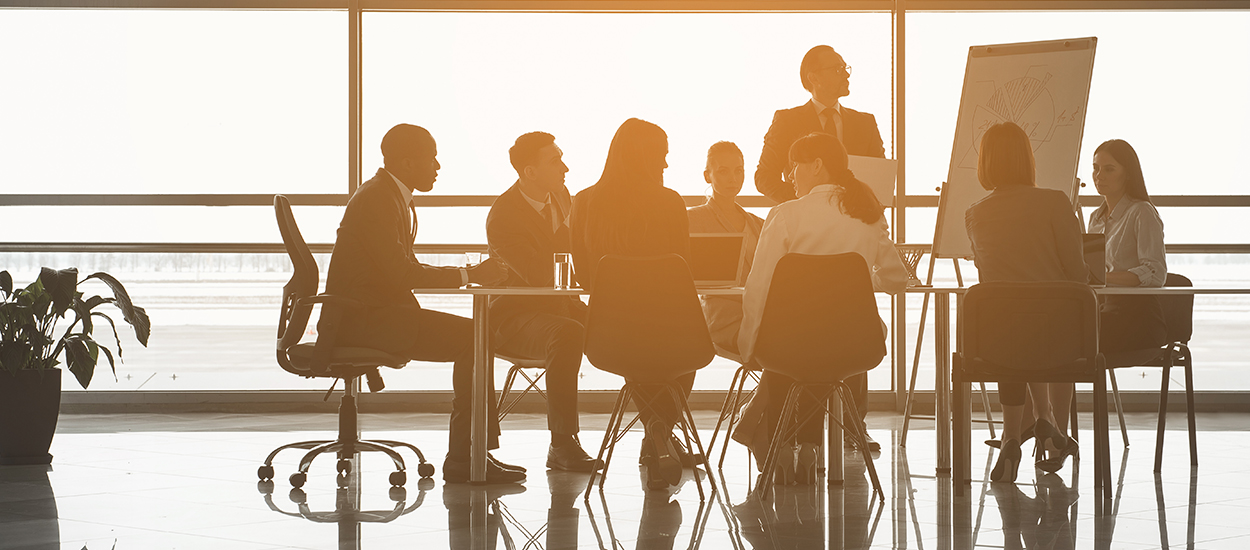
x=834 y=214
x=629 y=212
x=1135 y=255
x=1020 y=232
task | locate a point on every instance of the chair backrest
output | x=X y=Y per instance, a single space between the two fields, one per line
x=1178 y=311
x=820 y=320
x=644 y=321
x=1029 y=328
x=293 y=320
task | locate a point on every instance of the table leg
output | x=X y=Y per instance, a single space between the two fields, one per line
x=833 y=446
x=942 y=368
x=481 y=369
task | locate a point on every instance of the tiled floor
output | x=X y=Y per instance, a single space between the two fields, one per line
x=189 y=481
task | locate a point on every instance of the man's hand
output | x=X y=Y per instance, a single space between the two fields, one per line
x=488 y=273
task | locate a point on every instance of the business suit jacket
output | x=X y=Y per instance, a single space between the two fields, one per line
x=1021 y=233
x=523 y=239
x=859 y=135
x=667 y=230
x=373 y=262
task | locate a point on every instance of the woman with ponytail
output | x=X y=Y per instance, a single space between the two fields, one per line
x=834 y=214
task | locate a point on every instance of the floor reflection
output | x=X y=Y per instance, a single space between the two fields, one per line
x=123 y=490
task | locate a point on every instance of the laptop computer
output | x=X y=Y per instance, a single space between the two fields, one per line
x=1095 y=245
x=716 y=259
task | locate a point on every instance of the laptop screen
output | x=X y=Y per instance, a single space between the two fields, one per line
x=716 y=258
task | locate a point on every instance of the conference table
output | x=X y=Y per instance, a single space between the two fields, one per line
x=483 y=356
x=942 y=346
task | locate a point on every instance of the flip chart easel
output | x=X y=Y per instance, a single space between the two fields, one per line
x=1044 y=88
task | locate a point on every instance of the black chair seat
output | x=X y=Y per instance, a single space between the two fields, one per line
x=1132 y=358
x=342 y=358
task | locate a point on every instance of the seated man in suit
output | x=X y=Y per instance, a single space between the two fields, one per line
x=528 y=224
x=828 y=78
x=373 y=262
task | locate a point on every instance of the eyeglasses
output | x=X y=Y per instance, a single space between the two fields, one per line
x=838 y=69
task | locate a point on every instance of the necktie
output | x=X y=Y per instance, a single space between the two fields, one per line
x=831 y=122
x=549 y=216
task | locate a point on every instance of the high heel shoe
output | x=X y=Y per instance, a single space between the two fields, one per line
x=1053 y=448
x=783 y=472
x=1008 y=463
x=1053 y=461
x=805 y=464
x=1025 y=435
x=666 y=461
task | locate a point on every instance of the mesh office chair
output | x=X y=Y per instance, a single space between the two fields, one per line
x=325 y=360
x=820 y=326
x=1178 y=317
x=645 y=324
x=1028 y=332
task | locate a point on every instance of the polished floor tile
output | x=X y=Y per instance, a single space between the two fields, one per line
x=189 y=481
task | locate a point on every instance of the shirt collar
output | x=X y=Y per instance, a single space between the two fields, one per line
x=820 y=107
x=538 y=205
x=404 y=191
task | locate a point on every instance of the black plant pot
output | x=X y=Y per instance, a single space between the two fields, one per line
x=30 y=402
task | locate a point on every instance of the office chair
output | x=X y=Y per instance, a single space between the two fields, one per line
x=734 y=398
x=519 y=366
x=325 y=360
x=1178 y=317
x=1028 y=332
x=820 y=326
x=645 y=324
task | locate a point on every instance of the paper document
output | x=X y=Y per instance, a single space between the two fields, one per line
x=877 y=173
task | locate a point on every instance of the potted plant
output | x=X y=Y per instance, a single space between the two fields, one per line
x=31 y=350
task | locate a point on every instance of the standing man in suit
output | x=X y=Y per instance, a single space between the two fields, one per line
x=827 y=77
x=528 y=224
x=373 y=262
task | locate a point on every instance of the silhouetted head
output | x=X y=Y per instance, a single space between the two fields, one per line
x=408 y=153
x=818 y=159
x=1006 y=158
x=725 y=170
x=825 y=74
x=539 y=163
x=1117 y=171
x=629 y=193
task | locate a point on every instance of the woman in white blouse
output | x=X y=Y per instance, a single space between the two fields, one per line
x=834 y=214
x=1135 y=254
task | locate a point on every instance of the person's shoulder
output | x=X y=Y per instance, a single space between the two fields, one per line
x=795 y=112
x=504 y=203
x=852 y=113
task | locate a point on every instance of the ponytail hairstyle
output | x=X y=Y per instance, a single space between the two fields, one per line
x=857 y=199
x=1123 y=153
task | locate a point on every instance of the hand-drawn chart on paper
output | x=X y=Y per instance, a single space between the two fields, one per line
x=1041 y=86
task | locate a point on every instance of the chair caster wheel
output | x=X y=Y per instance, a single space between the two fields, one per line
x=398 y=494
x=425 y=469
x=344 y=466
x=398 y=479
x=265 y=473
x=265 y=487
x=341 y=480
x=298 y=479
x=298 y=496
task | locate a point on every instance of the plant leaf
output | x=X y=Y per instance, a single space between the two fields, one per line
x=80 y=361
x=6 y=283
x=109 y=355
x=135 y=315
x=115 y=336
x=62 y=285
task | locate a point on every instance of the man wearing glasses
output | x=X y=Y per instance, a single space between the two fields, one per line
x=824 y=74
x=827 y=76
